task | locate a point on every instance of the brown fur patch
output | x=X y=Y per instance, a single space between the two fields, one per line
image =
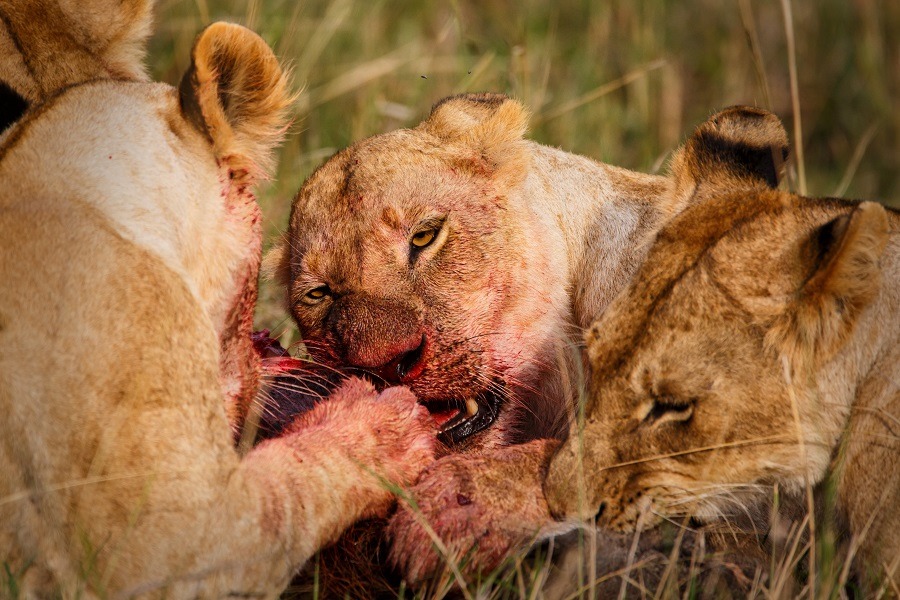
x=61 y=43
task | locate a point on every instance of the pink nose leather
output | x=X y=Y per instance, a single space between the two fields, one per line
x=382 y=335
x=405 y=367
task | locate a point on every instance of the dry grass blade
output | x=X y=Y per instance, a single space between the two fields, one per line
x=749 y=24
x=476 y=73
x=855 y=160
x=632 y=552
x=251 y=15
x=586 y=589
x=601 y=91
x=203 y=9
x=795 y=94
x=313 y=48
x=360 y=76
x=810 y=500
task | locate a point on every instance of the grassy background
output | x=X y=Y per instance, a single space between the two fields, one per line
x=622 y=81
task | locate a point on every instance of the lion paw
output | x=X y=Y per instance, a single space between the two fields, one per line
x=389 y=434
x=480 y=508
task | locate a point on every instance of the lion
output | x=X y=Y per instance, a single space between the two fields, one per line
x=756 y=144
x=753 y=355
x=129 y=251
x=464 y=261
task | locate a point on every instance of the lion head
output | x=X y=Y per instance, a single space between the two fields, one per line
x=730 y=364
x=410 y=256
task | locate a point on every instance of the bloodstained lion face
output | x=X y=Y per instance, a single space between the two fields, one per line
x=407 y=259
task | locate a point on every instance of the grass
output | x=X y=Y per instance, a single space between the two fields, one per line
x=622 y=81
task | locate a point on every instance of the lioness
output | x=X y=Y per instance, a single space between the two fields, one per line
x=757 y=348
x=129 y=249
x=756 y=145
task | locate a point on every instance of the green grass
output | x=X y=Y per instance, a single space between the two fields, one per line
x=622 y=81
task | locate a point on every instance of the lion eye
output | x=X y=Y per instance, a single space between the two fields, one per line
x=316 y=294
x=423 y=238
x=669 y=409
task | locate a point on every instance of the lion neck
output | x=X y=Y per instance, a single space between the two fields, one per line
x=604 y=217
x=589 y=223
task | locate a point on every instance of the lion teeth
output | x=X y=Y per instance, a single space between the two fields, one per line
x=471 y=407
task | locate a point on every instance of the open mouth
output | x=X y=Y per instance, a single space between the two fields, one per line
x=294 y=386
x=460 y=419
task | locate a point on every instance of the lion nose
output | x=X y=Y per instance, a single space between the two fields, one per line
x=406 y=366
x=384 y=336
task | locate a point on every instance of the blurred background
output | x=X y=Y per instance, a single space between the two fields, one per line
x=622 y=81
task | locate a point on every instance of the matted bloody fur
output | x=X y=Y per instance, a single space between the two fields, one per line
x=129 y=245
x=754 y=354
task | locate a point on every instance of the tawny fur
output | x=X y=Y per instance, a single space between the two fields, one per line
x=129 y=250
x=756 y=348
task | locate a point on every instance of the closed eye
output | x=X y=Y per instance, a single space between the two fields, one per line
x=667 y=408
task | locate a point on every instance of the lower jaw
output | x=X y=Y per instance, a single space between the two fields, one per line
x=459 y=422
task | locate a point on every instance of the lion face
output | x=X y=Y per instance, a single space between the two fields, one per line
x=704 y=392
x=408 y=258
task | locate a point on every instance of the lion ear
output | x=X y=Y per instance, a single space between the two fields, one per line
x=492 y=126
x=276 y=264
x=844 y=277
x=738 y=148
x=116 y=31
x=236 y=94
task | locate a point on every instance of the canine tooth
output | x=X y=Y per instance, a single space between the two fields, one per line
x=471 y=407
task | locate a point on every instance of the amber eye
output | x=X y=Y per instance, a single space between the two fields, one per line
x=316 y=294
x=423 y=238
